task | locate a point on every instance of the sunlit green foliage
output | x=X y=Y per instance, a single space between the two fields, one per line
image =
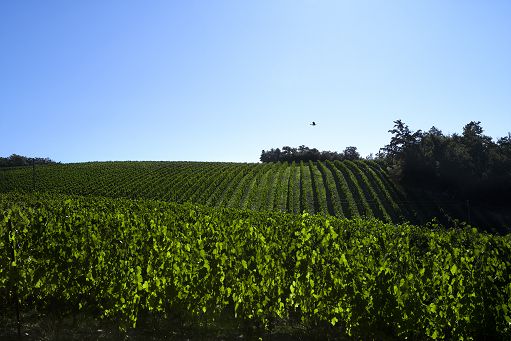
x=118 y=258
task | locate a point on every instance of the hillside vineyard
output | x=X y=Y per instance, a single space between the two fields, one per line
x=343 y=189
x=236 y=243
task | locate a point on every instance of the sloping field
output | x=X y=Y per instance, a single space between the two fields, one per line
x=343 y=189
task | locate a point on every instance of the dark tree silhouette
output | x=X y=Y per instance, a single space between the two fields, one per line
x=470 y=166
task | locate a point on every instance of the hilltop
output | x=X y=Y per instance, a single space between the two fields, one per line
x=339 y=188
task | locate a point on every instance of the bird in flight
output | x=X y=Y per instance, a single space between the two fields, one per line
x=313 y=123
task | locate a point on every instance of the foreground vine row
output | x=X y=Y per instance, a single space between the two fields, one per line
x=119 y=258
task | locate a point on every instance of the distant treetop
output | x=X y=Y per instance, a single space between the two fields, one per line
x=303 y=153
x=16 y=160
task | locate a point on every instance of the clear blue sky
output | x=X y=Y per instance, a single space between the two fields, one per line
x=222 y=80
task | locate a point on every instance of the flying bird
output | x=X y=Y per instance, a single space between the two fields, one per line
x=313 y=123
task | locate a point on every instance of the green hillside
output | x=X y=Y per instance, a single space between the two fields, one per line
x=340 y=188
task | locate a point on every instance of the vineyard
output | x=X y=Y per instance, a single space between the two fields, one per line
x=121 y=259
x=344 y=189
x=336 y=248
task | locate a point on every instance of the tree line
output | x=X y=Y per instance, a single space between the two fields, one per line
x=303 y=153
x=16 y=160
x=471 y=165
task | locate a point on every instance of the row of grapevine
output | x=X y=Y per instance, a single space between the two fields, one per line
x=202 y=185
x=306 y=194
x=388 y=202
x=319 y=190
x=239 y=187
x=214 y=185
x=294 y=189
x=344 y=189
x=171 y=183
x=332 y=192
x=231 y=176
x=369 y=191
x=405 y=204
x=265 y=192
x=348 y=203
x=281 y=192
x=257 y=187
x=185 y=185
x=232 y=194
x=354 y=186
x=120 y=259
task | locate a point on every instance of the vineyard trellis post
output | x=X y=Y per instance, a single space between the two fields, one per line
x=15 y=278
x=33 y=174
